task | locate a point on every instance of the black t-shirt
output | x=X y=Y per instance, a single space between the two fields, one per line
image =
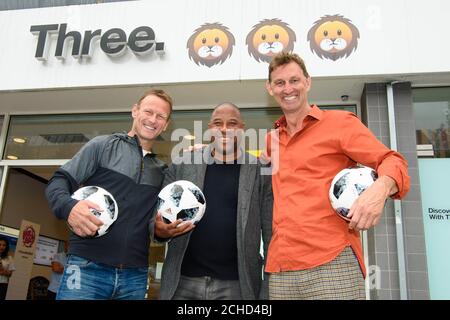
x=212 y=249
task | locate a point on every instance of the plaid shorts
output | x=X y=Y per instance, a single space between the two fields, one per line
x=339 y=279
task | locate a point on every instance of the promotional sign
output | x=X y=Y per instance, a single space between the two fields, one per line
x=23 y=261
x=434 y=178
x=46 y=248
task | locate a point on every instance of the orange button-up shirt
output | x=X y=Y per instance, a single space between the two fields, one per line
x=306 y=230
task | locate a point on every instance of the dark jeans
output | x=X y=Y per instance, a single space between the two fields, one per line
x=51 y=295
x=3 y=289
x=207 y=288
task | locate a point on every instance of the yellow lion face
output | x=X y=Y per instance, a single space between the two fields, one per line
x=268 y=38
x=333 y=37
x=210 y=44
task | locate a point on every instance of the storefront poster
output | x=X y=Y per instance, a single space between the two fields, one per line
x=434 y=178
x=23 y=261
x=46 y=247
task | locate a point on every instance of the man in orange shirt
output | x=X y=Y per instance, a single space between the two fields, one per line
x=314 y=254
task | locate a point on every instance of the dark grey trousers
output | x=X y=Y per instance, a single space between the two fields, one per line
x=207 y=288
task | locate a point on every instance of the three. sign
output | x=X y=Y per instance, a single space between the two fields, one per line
x=113 y=42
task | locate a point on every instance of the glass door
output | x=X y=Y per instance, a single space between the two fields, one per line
x=432 y=113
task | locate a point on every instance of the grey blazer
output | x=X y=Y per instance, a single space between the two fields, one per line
x=254 y=220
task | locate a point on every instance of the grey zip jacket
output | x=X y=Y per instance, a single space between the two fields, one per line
x=116 y=164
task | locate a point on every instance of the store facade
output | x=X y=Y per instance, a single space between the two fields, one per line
x=73 y=72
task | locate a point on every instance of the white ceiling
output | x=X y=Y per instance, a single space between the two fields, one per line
x=199 y=95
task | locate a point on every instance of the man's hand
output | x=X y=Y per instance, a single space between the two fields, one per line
x=4 y=272
x=166 y=230
x=367 y=209
x=82 y=221
x=57 y=267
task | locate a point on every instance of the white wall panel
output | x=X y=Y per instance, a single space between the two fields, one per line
x=396 y=37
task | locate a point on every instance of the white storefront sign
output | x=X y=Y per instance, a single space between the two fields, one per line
x=212 y=40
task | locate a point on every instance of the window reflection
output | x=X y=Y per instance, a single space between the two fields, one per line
x=61 y=136
x=432 y=116
x=58 y=136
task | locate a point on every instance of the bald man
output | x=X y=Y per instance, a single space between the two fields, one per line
x=219 y=258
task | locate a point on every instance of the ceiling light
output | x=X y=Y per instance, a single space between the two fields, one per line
x=12 y=157
x=19 y=140
x=189 y=137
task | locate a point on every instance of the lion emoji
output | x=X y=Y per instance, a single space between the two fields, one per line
x=210 y=44
x=269 y=37
x=333 y=37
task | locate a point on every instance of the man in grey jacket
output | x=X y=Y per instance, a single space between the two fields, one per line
x=113 y=266
x=220 y=258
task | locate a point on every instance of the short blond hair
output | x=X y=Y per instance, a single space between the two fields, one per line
x=160 y=94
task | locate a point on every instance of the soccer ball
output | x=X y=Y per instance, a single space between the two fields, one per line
x=346 y=187
x=181 y=200
x=105 y=200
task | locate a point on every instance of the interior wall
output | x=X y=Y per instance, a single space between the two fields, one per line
x=25 y=199
x=43 y=271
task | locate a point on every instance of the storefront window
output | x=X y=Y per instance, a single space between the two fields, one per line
x=432 y=113
x=58 y=136
x=350 y=108
x=195 y=123
x=34 y=137
x=431 y=106
x=61 y=136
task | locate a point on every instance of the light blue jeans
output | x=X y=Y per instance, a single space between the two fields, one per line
x=87 y=280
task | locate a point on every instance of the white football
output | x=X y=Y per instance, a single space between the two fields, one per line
x=181 y=200
x=346 y=187
x=105 y=200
